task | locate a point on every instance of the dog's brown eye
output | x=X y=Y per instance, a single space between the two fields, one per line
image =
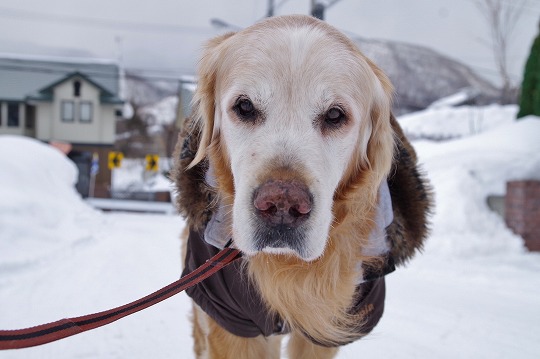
x=245 y=109
x=334 y=117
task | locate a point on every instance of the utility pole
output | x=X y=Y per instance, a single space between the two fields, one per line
x=270 y=12
x=317 y=9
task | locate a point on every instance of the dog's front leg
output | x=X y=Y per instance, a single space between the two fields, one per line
x=213 y=342
x=301 y=348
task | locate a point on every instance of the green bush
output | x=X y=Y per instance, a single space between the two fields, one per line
x=529 y=103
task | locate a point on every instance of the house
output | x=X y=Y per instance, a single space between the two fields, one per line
x=64 y=100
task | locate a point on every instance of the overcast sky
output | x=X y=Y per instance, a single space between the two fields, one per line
x=166 y=35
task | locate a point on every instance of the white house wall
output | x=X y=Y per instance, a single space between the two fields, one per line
x=44 y=121
x=108 y=124
x=100 y=130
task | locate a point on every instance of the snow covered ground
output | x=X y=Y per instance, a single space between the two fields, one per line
x=131 y=176
x=473 y=293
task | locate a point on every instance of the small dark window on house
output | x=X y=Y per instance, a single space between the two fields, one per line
x=13 y=114
x=30 y=117
x=68 y=111
x=85 y=111
x=77 y=88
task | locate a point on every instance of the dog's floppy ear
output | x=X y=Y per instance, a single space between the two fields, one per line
x=381 y=145
x=203 y=101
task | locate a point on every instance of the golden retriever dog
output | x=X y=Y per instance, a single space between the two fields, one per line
x=291 y=143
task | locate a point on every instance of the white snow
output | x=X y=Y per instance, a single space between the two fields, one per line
x=473 y=293
x=132 y=176
x=459 y=98
x=39 y=206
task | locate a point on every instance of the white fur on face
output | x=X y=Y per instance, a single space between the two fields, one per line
x=293 y=77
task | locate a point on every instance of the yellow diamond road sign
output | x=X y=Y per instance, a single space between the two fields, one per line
x=152 y=162
x=115 y=159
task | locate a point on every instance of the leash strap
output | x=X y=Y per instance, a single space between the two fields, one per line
x=46 y=333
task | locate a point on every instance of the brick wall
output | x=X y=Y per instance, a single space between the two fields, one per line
x=522 y=211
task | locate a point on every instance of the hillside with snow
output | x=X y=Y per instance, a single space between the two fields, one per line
x=421 y=75
x=160 y=114
x=144 y=91
x=472 y=293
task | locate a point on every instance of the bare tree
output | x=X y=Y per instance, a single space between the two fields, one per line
x=501 y=17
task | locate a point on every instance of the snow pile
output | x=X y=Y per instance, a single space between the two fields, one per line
x=457 y=99
x=464 y=172
x=444 y=123
x=40 y=210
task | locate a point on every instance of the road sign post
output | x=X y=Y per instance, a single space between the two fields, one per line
x=115 y=159
x=94 y=170
x=152 y=163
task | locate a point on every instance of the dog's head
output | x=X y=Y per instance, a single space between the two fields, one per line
x=293 y=117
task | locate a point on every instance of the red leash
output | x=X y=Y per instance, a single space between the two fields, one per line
x=46 y=333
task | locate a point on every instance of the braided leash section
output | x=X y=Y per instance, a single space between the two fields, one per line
x=46 y=333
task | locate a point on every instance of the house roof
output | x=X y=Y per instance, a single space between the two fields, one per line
x=33 y=78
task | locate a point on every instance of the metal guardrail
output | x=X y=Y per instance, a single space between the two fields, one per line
x=141 y=196
x=109 y=204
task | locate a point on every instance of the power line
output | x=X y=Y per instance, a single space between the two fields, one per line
x=101 y=23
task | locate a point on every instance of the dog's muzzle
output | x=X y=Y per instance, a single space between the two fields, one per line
x=281 y=208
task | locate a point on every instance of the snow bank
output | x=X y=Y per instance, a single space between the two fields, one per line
x=455 y=122
x=40 y=210
x=464 y=172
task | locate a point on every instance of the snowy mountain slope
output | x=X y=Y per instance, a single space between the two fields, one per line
x=421 y=75
x=144 y=91
x=160 y=114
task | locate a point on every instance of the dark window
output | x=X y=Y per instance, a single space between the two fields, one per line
x=30 y=117
x=68 y=111
x=77 y=88
x=13 y=114
x=85 y=111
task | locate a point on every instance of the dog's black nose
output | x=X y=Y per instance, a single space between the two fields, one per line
x=283 y=202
